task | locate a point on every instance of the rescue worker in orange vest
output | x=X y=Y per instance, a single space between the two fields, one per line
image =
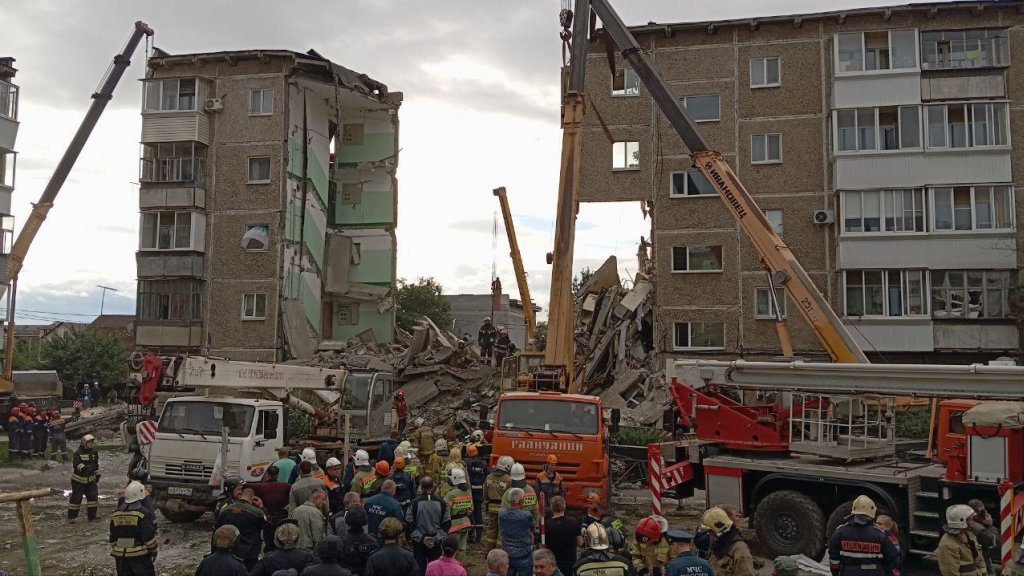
x=460 y=504
x=14 y=434
x=549 y=483
x=332 y=481
x=370 y=484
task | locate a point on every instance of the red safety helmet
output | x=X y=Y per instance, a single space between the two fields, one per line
x=471 y=450
x=399 y=462
x=648 y=530
x=15 y=411
x=383 y=468
x=552 y=459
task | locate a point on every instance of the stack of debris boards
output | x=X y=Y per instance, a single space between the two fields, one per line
x=614 y=341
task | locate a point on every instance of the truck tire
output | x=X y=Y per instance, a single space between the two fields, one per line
x=788 y=523
x=180 y=516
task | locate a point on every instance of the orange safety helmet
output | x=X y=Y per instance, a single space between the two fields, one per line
x=552 y=459
x=471 y=450
x=648 y=530
x=383 y=468
x=399 y=463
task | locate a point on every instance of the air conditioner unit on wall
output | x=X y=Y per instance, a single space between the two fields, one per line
x=214 y=104
x=824 y=216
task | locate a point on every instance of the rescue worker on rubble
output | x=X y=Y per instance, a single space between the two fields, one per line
x=730 y=554
x=14 y=434
x=39 y=436
x=495 y=486
x=133 y=541
x=476 y=469
x=485 y=339
x=859 y=548
x=517 y=474
x=459 y=500
x=503 y=346
x=405 y=483
x=84 y=478
x=959 y=552
x=424 y=438
x=597 y=559
x=401 y=410
x=437 y=459
x=58 y=438
x=649 y=551
x=549 y=483
x=685 y=562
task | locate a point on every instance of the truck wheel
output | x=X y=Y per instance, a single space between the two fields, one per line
x=787 y=523
x=180 y=516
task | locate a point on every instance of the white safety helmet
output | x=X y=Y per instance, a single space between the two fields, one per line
x=404 y=445
x=401 y=452
x=518 y=472
x=308 y=455
x=865 y=506
x=505 y=464
x=457 y=476
x=957 y=516
x=418 y=422
x=331 y=462
x=441 y=445
x=361 y=458
x=135 y=492
x=88 y=438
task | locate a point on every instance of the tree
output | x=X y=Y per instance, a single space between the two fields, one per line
x=580 y=280
x=86 y=356
x=26 y=355
x=423 y=298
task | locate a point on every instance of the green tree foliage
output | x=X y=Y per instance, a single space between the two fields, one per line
x=26 y=355
x=86 y=356
x=422 y=298
x=580 y=280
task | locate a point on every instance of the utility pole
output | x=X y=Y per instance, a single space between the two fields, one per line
x=103 y=298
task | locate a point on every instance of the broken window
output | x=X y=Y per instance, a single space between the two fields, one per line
x=261 y=102
x=625 y=155
x=690 y=183
x=703 y=108
x=259 y=170
x=765 y=148
x=256 y=237
x=698 y=335
x=696 y=258
x=254 y=306
x=625 y=82
x=763 y=306
x=971 y=293
x=171 y=94
x=764 y=72
x=173 y=300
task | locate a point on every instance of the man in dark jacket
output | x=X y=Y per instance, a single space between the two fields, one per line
x=381 y=506
x=356 y=544
x=386 y=452
x=405 y=483
x=485 y=339
x=428 y=518
x=221 y=561
x=248 y=517
x=85 y=466
x=330 y=554
x=285 y=554
x=274 y=495
x=858 y=547
x=133 y=541
x=391 y=558
x=476 y=469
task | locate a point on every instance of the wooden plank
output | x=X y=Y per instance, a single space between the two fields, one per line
x=19 y=496
x=28 y=538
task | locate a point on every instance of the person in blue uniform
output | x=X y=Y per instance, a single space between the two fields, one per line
x=685 y=559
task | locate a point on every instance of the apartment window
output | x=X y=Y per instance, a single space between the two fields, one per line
x=698 y=335
x=704 y=108
x=173 y=162
x=774 y=216
x=891 y=293
x=884 y=210
x=964 y=49
x=968 y=125
x=8 y=100
x=763 y=306
x=173 y=94
x=625 y=155
x=696 y=258
x=690 y=183
x=972 y=208
x=261 y=102
x=764 y=72
x=971 y=293
x=254 y=306
x=259 y=170
x=8 y=161
x=625 y=82
x=166 y=231
x=765 y=148
x=172 y=300
x=881 y=50
x=256 y=237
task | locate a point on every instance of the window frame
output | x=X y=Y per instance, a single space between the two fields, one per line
x=174 y=227
x=625 y=156
x=625 y=93
x=922 y=133
x=686 y=185
x=153 y=295
x=764 y=71
x=916 y=50
x=689 y=335
x=1011 y=201
x=904 y=293
x=718 y=116
x=781 y=228
x=721 y=259
x=965 y=290
x=887 y=199
x=969 y=122
x=160 y=98
x=922 y=45
x=263 y=102
x=780 y=293
x=249 y=170
x=245 y=231
x=255 y=306
x=767 y=160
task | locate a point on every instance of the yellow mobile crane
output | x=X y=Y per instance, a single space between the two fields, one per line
x=60 y=174
x=517 y=264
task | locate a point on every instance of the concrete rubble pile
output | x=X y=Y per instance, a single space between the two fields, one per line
x=614 y=344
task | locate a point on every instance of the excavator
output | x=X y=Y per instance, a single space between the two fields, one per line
x=41 y=208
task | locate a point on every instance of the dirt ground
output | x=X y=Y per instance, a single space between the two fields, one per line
x=81 y=548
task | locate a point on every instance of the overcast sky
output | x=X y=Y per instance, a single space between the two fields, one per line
x=480 y=79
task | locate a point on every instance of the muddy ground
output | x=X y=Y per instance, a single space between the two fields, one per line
x=81 y=548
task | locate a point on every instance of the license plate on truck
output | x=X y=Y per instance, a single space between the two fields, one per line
x=179 y=491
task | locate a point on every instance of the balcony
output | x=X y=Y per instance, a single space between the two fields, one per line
x=158 y=265
x=8 y=116
x=187 y=171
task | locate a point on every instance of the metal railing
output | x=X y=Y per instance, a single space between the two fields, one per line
x=188 y=169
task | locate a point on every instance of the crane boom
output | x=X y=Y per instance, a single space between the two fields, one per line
x=204 y=372
x=41 y=208
x=773 y=252
x=921 y=380
x=517 y=263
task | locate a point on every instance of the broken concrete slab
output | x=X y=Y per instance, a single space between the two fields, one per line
x=417 y=344
x=419 y=392
x=634 y=297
